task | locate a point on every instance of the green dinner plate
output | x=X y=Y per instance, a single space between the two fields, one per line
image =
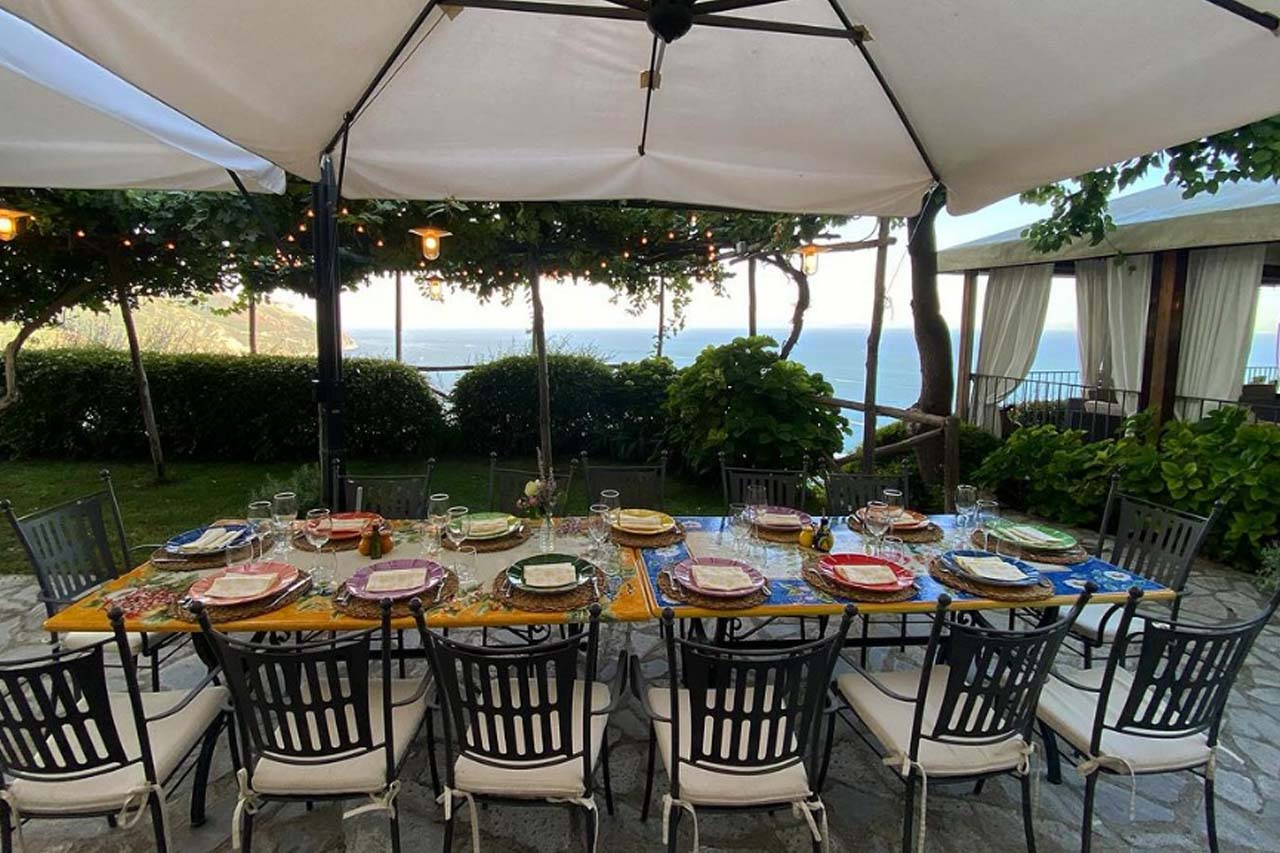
x=1061 y=541
x=515 y=572
x=512 y=524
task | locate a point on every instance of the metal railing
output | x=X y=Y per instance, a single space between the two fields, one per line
x=1269 y=373
x=1001 y=404
x=1265 y=410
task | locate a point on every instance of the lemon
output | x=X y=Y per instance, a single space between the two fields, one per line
x=806 y=537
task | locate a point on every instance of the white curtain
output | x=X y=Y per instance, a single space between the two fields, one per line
x=1217 y=325
x=1112 y=297
x=1012 y=319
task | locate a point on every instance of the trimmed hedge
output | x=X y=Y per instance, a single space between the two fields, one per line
x=83 y=403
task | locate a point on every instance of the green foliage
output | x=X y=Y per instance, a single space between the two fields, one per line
x=635 y=404
x=83 y=403
x=1048 y=472
x=741 y=398
x=976 y=444
x=495 y=405
x=303 y=481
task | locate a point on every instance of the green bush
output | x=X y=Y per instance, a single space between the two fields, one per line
x=636 y=417
x=83 y=403
x=976 y=444
x=495 y=405
x=741 y=398
x=1048 y=472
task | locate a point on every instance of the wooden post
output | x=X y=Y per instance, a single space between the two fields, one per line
x=873 y=350
x=399 y=319
x=140 y=374
x=540 y=350
x=1164 y=334
x=253 y=323
x=751 y=297
x=662 y=313
x=951 y=461
x=964 y=371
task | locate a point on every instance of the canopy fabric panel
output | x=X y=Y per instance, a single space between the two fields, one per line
x=1013 y=314
x=507 y=105
x=69 y=123
x=1152 y=220
x=1222 y=300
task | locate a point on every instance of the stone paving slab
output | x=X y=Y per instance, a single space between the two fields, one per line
x=864 y=798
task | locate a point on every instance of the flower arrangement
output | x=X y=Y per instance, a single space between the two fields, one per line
x=539 y=495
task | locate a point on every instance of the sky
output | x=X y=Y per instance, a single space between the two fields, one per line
x=840 y=291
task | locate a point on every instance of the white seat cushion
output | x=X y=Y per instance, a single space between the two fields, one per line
x=363 y=774
x=704 y=785
x=82 y=639
x=1090 y=619
x=563 y=779
x=1070 y=711
x=171 y=739
x=890 y=720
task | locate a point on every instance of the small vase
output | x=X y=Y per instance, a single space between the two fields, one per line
x=546 y=535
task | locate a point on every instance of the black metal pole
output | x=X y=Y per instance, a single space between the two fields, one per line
x=324 y=201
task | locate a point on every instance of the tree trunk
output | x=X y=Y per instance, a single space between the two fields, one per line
x=873 y=351
x=64 y=300
x=751 y=297
x=140 y=373
x=802 y=304
x=540 y=350
x=662 y=313
x=253 y=324
x=933 y=337
x=399 y=320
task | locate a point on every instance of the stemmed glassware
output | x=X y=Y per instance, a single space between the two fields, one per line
x=457 y=528
x=877 y=520
x=437 y=516
x=259 y=519
x=318 y=530
x=284 y=510
x=598 y=524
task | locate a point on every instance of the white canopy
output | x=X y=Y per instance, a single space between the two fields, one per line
x=66 y=122
x=491 y=103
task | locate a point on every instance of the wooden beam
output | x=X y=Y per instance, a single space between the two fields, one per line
x=964 y=370
x=951 y=462
x=1164 y=334
x=913 y=415
x=873 y=350
x=399 y=320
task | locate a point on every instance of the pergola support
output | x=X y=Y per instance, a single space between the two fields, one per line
x=1164 y=334
x=328 y=386
x=968 y=315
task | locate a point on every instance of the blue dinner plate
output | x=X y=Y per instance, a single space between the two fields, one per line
x=1032 y=576
x=195 y=533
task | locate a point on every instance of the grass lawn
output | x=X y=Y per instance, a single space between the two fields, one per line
x=198 y=492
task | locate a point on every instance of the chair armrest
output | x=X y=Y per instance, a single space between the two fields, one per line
x=617 y=689
x=1053 y=673
x=876 y=683
x=54 y=599
x=187 y=699
x=640 y=689
x=152 y=547
x=417 y=694
x=1106 y=617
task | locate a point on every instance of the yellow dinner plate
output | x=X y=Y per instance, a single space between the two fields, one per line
x=667 y=522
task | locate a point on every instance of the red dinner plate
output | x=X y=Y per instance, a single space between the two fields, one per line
x=354 y=532
x=285 y=575
x=827 y=567
x=683 y=573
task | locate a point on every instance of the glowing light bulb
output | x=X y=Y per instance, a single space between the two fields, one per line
x=431 y=238
x=10 y=223
x=809 y=258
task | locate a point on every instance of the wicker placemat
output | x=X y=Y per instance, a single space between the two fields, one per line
x=674 y=592
x=648 y=540
x=488 y=546
x=583 y=595
x=923 y=536
x=816 y=580
x=163 y=561
x=786 y=537
x=940 y=573
x=1071 y=556
x=218 y=613
x=363 y=608
x=349 y=543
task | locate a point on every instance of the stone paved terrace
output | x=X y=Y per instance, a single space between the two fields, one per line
x=863 y=798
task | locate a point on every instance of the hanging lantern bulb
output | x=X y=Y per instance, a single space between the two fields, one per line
x=435 y=287
x=10 y=223
x=431 y=238
x=809 y=258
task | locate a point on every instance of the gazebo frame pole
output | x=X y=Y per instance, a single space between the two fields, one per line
x=964 y=370
x=328 y=384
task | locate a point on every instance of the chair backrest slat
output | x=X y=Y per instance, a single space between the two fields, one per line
x=848 y=492
x=390 y=495
x=1157 y=542
x=506 y=487
x=637 y=485
x=783 y=487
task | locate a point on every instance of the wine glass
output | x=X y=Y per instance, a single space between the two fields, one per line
x=259 y=519
x=284 y=509
x=457 y=528
x=437 y=515
x=876 y=520
x=988 y=516
x=598 y=525
x=318 y=529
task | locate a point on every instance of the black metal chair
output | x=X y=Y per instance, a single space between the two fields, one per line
x=521 y=724
x=70 y=549
x=783 y=487
x=643 y=486
x=967 y=714
x=738 y=728
x=69 y=747
x=506 y=487
x=849 y=492
x=1157 y=542
x=390 y=495
x=1162 y=717
x=315 y=724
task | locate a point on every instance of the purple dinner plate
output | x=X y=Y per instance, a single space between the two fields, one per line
x=356 y=583
x=806 y=520
x=683 y=573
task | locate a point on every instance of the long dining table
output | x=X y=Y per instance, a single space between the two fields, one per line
x=150 y=594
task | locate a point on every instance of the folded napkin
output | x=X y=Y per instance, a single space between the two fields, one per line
x=642 y=522
x=348 y=525
x=867 y=574
x=990 y=568
x=241 y=586
x=211 y=540
x=391 y=580
x=1028 y=534
x=549 y=575
x=720 y=578
x=489 y=526
x=779 y=519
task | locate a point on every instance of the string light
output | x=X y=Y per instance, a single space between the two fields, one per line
x=171 y=247
x=671 y=235
x=359 y=229
x=289 y=237
x=345 y=212
x=311 y=214
x=127 y=241
x=644 y=241
x=626 y=253
x=302 y=227
x=80 y=234
x=380 y=244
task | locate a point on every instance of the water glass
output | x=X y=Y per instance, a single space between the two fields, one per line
x=877 y=521
x=259 y=519
x=893 y=500
x=894 y=550
x=739 y=525
x=437 y=516
x=284 y=510
x=464 y=566
x=988 y=516
x=966 y=500
x=318 y=529
x=611 y=499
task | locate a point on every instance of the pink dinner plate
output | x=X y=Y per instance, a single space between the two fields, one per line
x=827 y=567
x=911 y=520
x=285 y=575
x=806 y=520
x=683 y=573
x=343 y=516
x=358 y=582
